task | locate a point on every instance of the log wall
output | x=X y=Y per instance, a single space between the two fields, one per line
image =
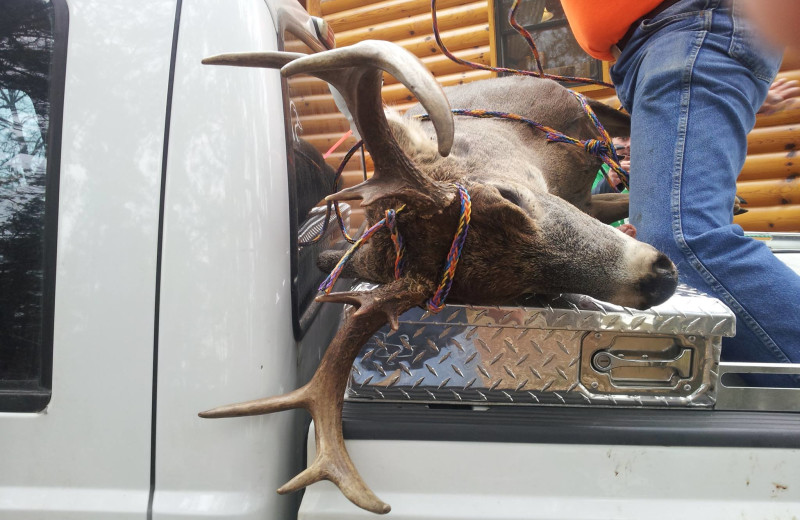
x=770 y=178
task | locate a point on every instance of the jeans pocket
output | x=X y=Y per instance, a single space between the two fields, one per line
x=651 y=25
x=749 y=48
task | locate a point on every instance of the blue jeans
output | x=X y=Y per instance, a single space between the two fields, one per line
x=692 y=79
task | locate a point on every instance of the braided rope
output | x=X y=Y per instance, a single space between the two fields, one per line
x=436 y=303
x=397 y=240
x=389 y=222
x=601 y=148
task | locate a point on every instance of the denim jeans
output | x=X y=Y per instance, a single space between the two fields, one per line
x=692 y=79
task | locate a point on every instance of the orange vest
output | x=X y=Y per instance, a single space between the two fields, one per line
x=599 y=25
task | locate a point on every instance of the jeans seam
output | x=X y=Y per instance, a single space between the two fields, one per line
x=675 y=205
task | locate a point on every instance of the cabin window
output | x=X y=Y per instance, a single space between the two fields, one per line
x=558 y=50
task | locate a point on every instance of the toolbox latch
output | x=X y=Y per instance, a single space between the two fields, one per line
x=664 y=365
x=643 y=368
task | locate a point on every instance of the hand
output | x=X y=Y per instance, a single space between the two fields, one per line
x=628 y=229
x=781 y=90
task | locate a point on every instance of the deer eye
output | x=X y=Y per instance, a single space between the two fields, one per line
x=511 y=196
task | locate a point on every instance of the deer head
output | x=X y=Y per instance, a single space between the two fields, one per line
x=521 y=239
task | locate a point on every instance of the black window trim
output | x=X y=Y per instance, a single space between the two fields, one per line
x=364 y=420
x=38 y=399
x=289 y=19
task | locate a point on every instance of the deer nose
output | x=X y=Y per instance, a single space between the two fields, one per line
x=657 y=286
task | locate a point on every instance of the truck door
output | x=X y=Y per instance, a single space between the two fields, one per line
x=83 y=90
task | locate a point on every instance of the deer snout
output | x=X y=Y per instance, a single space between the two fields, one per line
x=659 y=284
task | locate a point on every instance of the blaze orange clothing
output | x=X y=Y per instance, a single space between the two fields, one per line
x=599 y=25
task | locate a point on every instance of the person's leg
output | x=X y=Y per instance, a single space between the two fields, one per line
x=692 y=104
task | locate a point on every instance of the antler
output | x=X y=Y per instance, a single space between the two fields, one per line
x=323 y=396
x=357 y=73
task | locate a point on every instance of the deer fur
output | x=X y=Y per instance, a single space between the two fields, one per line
x=526 y=235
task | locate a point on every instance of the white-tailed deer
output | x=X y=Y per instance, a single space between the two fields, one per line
x=530 y=231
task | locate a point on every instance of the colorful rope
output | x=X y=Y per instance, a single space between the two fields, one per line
x=436 y=303
x=609 y=157
x=601 y=148
x=390 y=222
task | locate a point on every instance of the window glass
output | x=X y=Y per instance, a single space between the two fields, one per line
x=26 y=58
x=558 y=50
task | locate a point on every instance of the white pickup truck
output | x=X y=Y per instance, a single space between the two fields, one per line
x=151 y=210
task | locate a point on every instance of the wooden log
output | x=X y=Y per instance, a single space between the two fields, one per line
x=773 y=139
x=398 y=94
x=381 y=12
x=354 y=164
x=774 y=218
x=774 y=192
x=791 y=74
x=778 y=165
x=419 y=25
x=313 y=7
x=454 y=40
x=441 y=65
x=329 y=7
x=315 y=104
x=309 y=88
x=324 y=124
x=323 y=141
x=352 y=177
x=303 y=85
x=786 y=113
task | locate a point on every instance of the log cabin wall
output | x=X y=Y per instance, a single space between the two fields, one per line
x=770 y=179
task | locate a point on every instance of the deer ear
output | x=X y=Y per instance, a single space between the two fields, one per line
x=616 y=122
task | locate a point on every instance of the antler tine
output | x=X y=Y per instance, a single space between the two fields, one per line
x=357 y=74
x=358 y=299
x=372 y=56
x=267 y=60
x=323 y=396
x=295 y=399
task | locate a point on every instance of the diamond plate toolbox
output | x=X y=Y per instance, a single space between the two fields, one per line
x=566 y=350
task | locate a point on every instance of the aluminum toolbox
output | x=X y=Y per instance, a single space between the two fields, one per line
x=565 y=350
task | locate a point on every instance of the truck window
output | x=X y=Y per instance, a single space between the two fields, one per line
x=28 y=151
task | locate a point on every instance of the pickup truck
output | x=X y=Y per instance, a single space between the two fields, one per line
x=153 y=264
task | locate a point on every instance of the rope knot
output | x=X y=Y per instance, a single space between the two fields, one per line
x=596 y=147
